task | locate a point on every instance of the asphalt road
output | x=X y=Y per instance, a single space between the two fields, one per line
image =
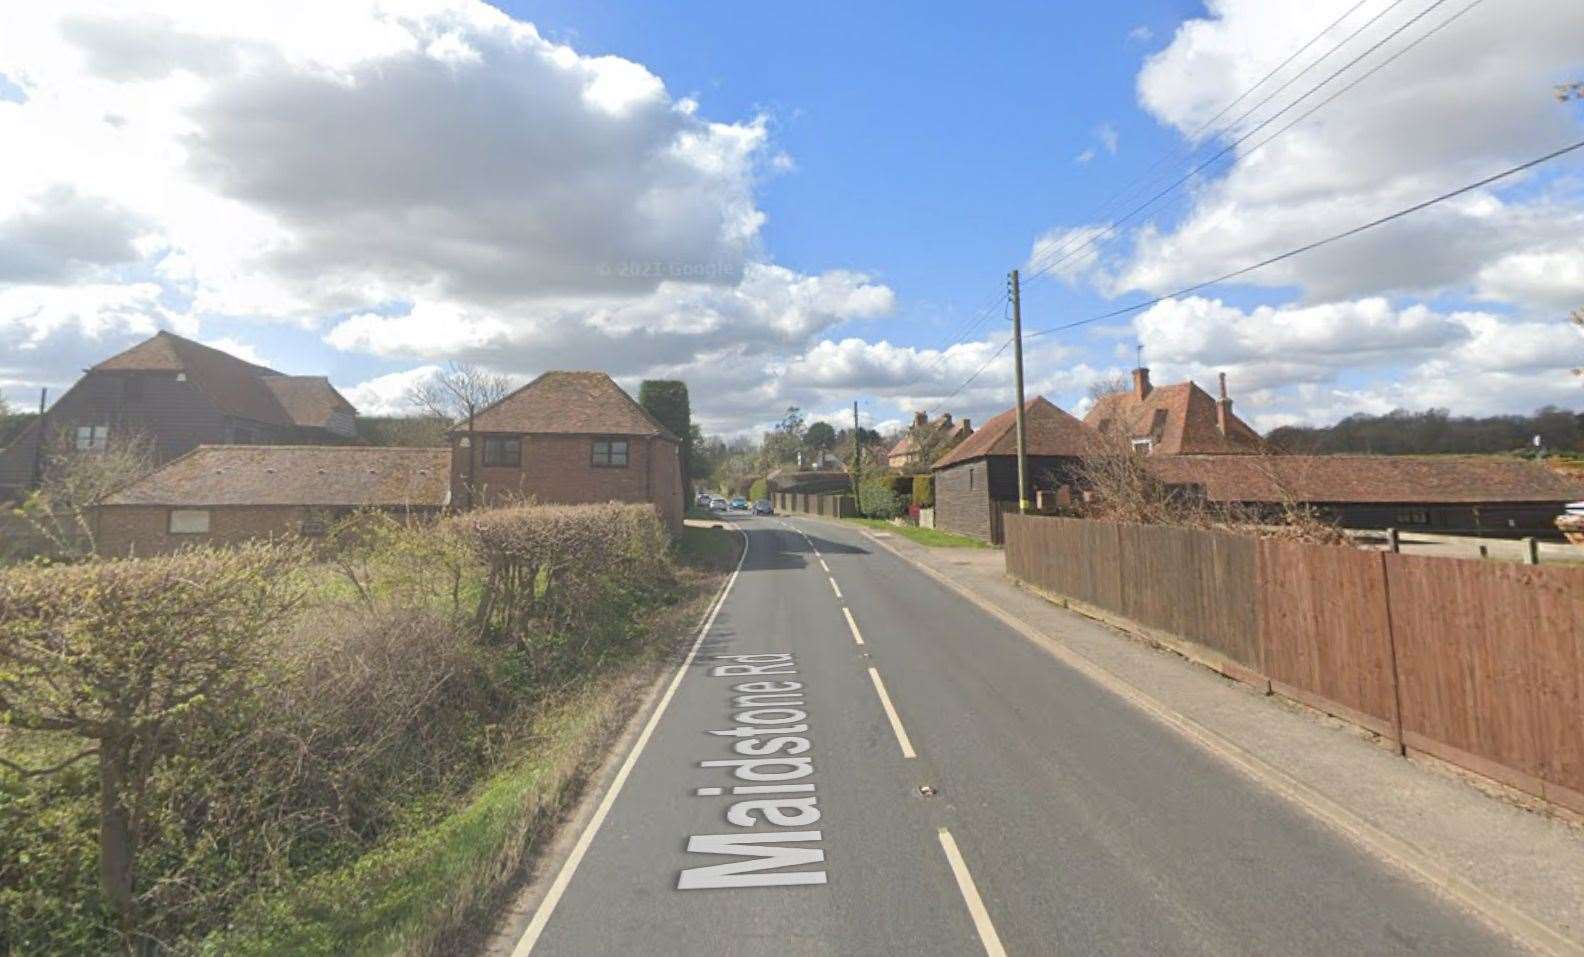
x=1061 y=818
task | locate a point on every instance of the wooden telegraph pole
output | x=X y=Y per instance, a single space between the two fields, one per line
x=1017 y=374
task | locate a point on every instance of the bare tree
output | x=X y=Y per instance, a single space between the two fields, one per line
x=457 y=394
x=1108 y=385
x=76 y=481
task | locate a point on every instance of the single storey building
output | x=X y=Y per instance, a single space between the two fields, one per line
x=976 y=482
x=1458 y=495
x=567 y=438
x=218 y=495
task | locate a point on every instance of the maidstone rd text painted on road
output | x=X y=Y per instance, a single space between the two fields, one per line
x=772 y=756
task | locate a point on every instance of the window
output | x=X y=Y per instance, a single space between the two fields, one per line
x=189 y=521
x=1416 y=516
x=970 y=478
x=499 y=451
x=610 y=454
x=93 y=438
x=1143 y=446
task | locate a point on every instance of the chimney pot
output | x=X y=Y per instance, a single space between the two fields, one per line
x=920 y=418
x=1223 y=385
x=967 y=425
x=1223 y=408
x=1141 y=383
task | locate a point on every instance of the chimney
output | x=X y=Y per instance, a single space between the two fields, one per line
x=967 y=425
x=946 y=421
x=920 y=419
x=1223 y=408
x=1141 y=383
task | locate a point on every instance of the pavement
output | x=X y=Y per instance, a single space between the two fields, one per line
x=855 y=758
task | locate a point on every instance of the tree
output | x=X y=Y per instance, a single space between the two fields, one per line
x=76 y=481
x=783 y=444
x=820 y=437
x=667 y=401
x=457 y=393
x=130 y=657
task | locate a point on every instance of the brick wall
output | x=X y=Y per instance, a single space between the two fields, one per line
x=144 y=529
x=962 y=500
x=559 y=469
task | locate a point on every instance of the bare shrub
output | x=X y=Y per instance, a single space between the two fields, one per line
x=76 y=481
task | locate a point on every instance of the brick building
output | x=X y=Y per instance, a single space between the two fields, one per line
x=180 y=394
x=1485 y=495
x=568 y=437
x=905 y=453
x=977 y=481
x=1180 y=419
x=218 y=495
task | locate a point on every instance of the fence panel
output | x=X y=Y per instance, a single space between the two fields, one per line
x=1195 y=584
x=1324 y=632
x=1491 y=660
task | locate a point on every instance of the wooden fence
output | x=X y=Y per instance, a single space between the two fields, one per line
x=1477 y=663
x=832 y=506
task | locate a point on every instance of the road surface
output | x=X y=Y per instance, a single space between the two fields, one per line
x=857 y=761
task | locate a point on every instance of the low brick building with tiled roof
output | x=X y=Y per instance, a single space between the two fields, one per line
x=224 y=494
x=1453 y=494
x=180 y=394
x=977 y=480
x=567 y=437
x=1179 y=419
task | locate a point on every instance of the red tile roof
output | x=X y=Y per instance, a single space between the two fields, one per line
x=1366 y=478
x=575 y=403
x=236 y=387
x=309 y=400
x=310 y=475
x=1049 y=431
x=1180 y=419
x=953 y=430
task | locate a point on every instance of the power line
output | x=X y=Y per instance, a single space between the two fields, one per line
x=1522 y=167
x=1176 y=153
x=1262 y=124
x=969 y=381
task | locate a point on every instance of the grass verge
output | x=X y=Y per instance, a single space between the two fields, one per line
x=934 y=538
x=427 y=891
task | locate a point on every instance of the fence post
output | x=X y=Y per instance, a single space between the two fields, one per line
x=1531 y=551
x=1391 y=655
x=1393 y=544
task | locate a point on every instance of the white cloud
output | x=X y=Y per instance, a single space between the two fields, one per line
x=413 y=179
x=1141 y=34
x=387 y=394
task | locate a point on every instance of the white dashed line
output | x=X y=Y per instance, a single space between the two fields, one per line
x=835 y=587
x=857 y=636
x=970 y=893
x=824 y=566
x=896 y=722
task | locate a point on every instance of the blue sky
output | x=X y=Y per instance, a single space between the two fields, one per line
x=830 y=192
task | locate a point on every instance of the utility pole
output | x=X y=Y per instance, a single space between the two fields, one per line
x=857 y=459
x=1017 y=375
x=38 y=440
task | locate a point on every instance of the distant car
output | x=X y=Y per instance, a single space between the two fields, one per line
x=739 y=504
x=703 y=499
x=763 y=507
x=717 y=504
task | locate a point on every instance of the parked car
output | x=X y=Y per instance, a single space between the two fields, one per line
x=717 y=504
x=703 y=499
x=739 y=504
x=763 y=507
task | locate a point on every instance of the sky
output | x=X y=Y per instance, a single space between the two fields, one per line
x=805 y=204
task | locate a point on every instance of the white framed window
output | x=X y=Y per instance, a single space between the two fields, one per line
x=93 y=438
x=189 y=521
x=1144 y=446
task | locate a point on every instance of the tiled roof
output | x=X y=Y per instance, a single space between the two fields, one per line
x=312 y=475
x=237 y=388
x=578 y=403
x=1181 y=419
x=1049 y=431
x=1366 y=478
x=309 y=400
x=956 y=429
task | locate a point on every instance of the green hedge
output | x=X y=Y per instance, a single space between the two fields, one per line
x=877 y=498
x=924 y=491
x=760 y=489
